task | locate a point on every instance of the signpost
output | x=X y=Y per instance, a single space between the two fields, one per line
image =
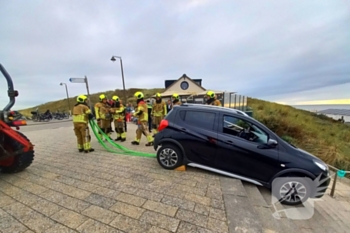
x=83 y=80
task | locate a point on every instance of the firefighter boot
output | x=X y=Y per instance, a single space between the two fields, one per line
x=123 y=137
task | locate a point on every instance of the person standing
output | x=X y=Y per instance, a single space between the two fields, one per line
x=211 y=99
x=159 y=111
x=129 y=109
x=176 y=99
x=81 y=116
x=102 y=115
x=169 y=106
x=149 y=106
x=142 y=120
x=118 y=113
x=97 y=107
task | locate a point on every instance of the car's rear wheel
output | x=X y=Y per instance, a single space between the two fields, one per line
x=169 y=156
x=291 y=190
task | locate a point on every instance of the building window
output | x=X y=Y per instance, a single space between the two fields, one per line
x=184 y=85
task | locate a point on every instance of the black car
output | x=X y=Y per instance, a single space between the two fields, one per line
x=231 y=143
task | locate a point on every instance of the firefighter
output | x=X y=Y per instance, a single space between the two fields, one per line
x=211 y=99
x=159 y=110
x=142 y=120
x=118 y=113
x=176 y=99
x=103 y=115
x=81 y=116
x=97 y=115
x=110 y=104
x=149 y=106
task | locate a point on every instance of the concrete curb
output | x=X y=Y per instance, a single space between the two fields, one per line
x=49 y=122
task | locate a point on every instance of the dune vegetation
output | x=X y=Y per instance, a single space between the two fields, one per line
x=62 y=105
x=322 y=136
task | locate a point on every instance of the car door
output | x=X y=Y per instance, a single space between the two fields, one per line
x=243 y=154
x=198 y=135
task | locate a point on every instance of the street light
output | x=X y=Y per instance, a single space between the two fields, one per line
x=67 y=95
x=121 y=66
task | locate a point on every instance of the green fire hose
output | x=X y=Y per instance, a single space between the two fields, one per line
x=118 y=149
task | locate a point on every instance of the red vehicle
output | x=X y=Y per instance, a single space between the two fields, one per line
x=16 y=151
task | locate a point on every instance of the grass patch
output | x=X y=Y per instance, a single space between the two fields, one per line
x=322 y=136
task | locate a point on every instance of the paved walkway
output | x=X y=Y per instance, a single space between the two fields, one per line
x=66 y=191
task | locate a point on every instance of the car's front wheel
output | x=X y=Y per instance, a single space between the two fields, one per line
x=169 y=156
x=292 y=190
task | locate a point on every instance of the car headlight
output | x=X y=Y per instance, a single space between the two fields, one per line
x=321 y=165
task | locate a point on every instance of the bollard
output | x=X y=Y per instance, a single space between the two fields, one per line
x=334 y=183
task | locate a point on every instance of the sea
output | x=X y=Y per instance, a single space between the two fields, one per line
x=314 y=108
x=317 y=108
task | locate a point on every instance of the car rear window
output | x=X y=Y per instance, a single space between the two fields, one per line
x=204 y=120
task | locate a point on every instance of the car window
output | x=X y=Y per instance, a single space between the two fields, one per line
x=204 y=120
x=240 y=128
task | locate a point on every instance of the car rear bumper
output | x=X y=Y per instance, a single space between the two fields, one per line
x=156 y=141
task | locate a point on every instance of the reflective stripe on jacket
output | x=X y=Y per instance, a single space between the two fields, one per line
x=102 y=111
x=97 y=109
x=119 y=113
x=142 y=107
x=80 y=113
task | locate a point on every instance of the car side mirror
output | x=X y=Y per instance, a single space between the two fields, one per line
x=272 y=143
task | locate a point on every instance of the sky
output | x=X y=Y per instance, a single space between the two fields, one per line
x=290 y=52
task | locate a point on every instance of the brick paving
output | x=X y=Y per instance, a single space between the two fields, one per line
x=67 y=191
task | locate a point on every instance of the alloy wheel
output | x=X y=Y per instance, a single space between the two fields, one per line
x=168 y=157
x=293 y=191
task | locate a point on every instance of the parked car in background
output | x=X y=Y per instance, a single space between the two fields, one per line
x=231 y=143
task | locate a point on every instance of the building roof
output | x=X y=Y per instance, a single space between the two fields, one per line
x=196 y=90
x=168 y=94
x=184 y=76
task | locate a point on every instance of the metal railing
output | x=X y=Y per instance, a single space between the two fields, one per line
x=335 y=177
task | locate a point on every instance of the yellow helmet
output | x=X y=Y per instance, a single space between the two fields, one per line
x=158 y=95
x=176 y=96
x=115 y=98
x=81 y=98
x=102 y=97
x=211 y=94
x=139 y=95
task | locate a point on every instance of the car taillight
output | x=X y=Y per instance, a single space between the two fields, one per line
x=163 y=124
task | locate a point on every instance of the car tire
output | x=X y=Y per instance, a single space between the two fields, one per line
x=299 y=189
x=169 y=156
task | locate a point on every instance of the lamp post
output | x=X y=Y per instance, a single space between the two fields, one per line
x=67 y=95
x=121 y=66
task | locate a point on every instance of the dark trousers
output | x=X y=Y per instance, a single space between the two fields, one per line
x=150 y=124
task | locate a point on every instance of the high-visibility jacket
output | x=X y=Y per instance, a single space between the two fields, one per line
x=81 y=113
x=102 y=111
x=142 y=112
x=119 y=113
x=159 y=109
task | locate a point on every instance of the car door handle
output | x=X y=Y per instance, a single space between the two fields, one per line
x=183 y=129
x=229 y=142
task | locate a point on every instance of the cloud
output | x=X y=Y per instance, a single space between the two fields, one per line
x=273 y=49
